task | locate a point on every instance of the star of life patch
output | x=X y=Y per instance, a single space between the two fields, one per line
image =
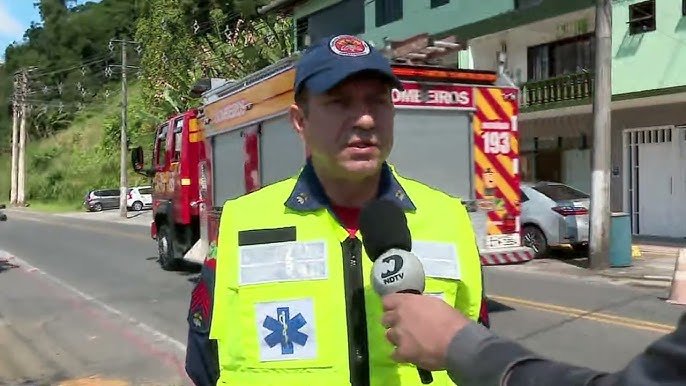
x=286 y=330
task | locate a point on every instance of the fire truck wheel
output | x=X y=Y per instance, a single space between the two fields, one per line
x=165 y=249
x=534 y=238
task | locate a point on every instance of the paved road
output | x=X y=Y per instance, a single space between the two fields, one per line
x=96 y=297
x=100 y=280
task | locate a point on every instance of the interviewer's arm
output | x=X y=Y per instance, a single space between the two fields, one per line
x=478 y=357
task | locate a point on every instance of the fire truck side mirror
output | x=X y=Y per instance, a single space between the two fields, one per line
x=137 y=158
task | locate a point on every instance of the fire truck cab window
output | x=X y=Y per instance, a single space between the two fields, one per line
x=178 y=128
x=161 y=145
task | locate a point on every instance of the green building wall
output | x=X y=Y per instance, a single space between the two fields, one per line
x=650 y=60
x=419 y=17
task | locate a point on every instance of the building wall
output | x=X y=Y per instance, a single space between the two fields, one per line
x=650 y=60
x=311 y=7
x=419 y=17
x=482 y=53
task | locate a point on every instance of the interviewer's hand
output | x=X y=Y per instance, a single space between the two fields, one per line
x=421 y=328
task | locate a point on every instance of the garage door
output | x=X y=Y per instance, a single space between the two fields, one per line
x=435 y=151
x=657 y=180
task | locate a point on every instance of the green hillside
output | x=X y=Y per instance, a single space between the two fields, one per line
x=61 y=169
x=70 y=62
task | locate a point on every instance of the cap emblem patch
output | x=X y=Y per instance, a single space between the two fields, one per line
x=347 y=45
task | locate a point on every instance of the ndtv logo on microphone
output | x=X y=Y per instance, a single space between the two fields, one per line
x=393 y=274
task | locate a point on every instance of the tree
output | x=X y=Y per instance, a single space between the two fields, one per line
x=184 y=40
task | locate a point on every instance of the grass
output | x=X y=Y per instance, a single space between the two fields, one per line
x=62 y=168
x=55 y=207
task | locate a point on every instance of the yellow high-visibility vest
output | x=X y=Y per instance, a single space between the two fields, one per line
x=285 y=281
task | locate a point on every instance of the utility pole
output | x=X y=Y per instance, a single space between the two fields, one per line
x=21 y=168
x=124 y=106
x=602 y=112
x=123 y=173
x=15 y=141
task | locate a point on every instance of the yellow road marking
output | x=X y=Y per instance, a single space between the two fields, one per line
x=636 y=324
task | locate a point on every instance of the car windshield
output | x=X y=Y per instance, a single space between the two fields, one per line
x=560 y=192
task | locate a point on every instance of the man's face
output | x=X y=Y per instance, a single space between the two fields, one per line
x=348 y=130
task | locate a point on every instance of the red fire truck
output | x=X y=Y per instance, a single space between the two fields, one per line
x=454 y=129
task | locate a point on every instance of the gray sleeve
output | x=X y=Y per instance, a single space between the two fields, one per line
x=662 y=363
x=543 y=372
x=477 y=357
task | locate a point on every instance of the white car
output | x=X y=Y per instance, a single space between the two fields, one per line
x=139 y=197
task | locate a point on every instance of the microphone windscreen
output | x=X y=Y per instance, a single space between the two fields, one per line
x=383 y=226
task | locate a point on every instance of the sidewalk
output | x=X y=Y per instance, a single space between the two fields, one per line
x=648 y=270
x=659 y=246
x=656 y=270
x=142 y=218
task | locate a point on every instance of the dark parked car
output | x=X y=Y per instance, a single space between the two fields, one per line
x=97 y=200
x=3 y=216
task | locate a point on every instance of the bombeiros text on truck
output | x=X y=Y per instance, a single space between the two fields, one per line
x=455 y=129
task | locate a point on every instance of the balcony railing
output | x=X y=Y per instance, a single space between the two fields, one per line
x=549 y=93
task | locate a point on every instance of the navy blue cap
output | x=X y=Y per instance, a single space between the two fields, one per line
x=331 y=60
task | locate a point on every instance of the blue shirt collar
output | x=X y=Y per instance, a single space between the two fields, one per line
x=308 y=194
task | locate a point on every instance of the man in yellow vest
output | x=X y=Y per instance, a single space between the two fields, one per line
x=289 y=302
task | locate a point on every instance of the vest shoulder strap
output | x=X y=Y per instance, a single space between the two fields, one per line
x=423 y=194
x=268 y=198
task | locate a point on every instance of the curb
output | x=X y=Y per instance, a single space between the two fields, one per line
x=647 y=278
x=650 y=284
x=658 y=250
x=70 y=215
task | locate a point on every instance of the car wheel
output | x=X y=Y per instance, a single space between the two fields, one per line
x=534 y=238
x=137 y=206
x=97 y=207
x=165 y=249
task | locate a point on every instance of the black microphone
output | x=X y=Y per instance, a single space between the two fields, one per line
x=388 y=242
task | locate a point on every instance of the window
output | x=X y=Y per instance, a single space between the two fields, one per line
x=388 y=11
x=523 y=197
x=108 y=193
x=524 y=4
x=145 y=190
x=344 y=17
x=178 y=130
x=302 y=33
x=560 y=192
x=438 y=3
x=564 y=57
x=161 y=145
x=642 y=17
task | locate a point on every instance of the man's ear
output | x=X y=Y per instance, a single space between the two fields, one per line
x=297 y=116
